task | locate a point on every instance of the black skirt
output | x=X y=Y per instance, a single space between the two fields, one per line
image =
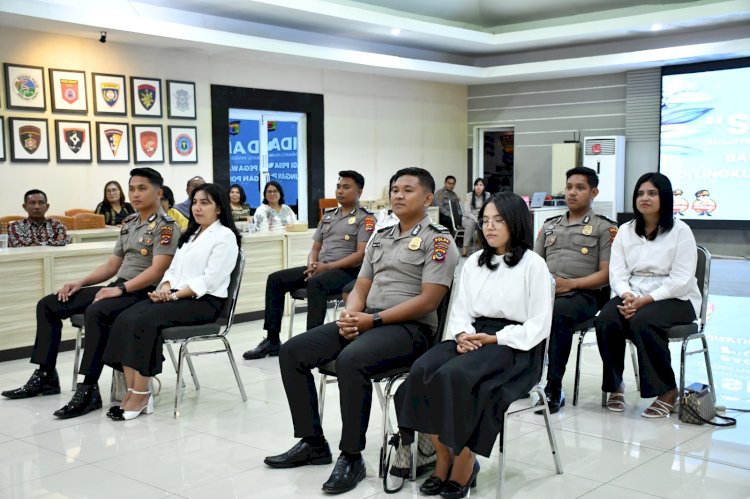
x=462 y=398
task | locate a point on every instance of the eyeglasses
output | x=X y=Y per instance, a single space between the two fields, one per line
x=496 y=221
x=272 y=191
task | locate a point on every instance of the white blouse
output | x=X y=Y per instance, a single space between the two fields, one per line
x=473 y=213
x=266 y=218
x=663 y=268
x=205 y=264
x=522 y=294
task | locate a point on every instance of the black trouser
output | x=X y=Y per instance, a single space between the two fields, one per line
x=357 y=361
x=319 y=287
x=445 y=221
x=648 y=331
x=568 y=311
x=50 y=312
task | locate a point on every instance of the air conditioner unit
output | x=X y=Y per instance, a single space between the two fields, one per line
x=606 y=156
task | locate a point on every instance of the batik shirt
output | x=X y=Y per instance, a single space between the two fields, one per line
x=27 y=233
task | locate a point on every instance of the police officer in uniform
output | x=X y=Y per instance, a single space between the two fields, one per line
x=143 y=252
x=389 y=319
x=576 y=246
x=334 y=261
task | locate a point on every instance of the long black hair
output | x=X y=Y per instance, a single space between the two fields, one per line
x=105 y=202
x=474 y=190
x=168 y=195
x=239 y=188
x=278 y=187
x=666 y=203
x=219 y=196
x=517 y=218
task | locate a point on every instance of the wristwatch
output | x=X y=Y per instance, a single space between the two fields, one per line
x=377 y=321
x=121 y=286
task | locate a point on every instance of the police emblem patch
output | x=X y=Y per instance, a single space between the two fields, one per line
x=69 y=90
x=440 y=244
x=182 y=100
x=26 y=87
x=147 y=95
x=369 y=224
x=74 y=137
x=31 y=137
x=183 y=145
x=165 y=235
x=149 y=142
x=114 y=137
x=110 y=93
x=234 y=128
x=612 y=234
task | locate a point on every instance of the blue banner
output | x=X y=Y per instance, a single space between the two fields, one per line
x=244 y=157
x=282 y=158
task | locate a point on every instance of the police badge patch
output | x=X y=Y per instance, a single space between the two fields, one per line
x=69 y=90
x=26 y=87
x=182 y=100
x=114 y=137
x=31 y=137
x=149 y=141
x=440 y=250
x=183 y=145
x=110 y=93
x=74 y=137
x=147 y=96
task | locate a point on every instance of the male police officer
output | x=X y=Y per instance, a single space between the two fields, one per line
x=446 y=199
x=389 y=319
x=143 y=252
x=334 y=261
x=576 y=246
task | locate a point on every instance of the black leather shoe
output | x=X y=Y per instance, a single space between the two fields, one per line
x=300 y=455
x=454 y=490
x=115 y=412
x=85 y=399
x=345 y=476
x=264 y=349
x=38 y=384
x=432 y=486
x=555 y=400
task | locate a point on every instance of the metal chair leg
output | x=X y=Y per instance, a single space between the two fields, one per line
x=77 y=358
x=577 y=382
x=234 y=369
x=322 y=395
x=550 y=435
x=501 y=456
x=192 y=370
x=291 y=319
x=179 y=387
x=173 y=358
x=634 y=358
x=414 y=454
x=709 y=371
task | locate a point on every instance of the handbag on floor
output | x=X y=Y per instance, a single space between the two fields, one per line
x=698 y=407
x=401 y=466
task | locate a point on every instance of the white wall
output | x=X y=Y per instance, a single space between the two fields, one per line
x=373 y=124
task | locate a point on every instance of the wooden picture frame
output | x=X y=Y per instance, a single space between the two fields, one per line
x=181 y=100
x=25 y=87
x=2 y=139
x=112 y=142
x=73 y=141
x=183 y=145
x=145 y=97
x=68 y=91
x=109 y=94
x=148 y=144
x=29 y=140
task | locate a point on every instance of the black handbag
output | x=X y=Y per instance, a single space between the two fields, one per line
x=698 y=407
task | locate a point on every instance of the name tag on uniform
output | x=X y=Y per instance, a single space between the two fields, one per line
x=376 y=244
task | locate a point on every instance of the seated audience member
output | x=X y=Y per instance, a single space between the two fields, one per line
x=576 y=246
x=167 y=205
x=474 y=201
x=241 y=211
x=185 y=206
x=389 y=319
x=446 y=199
x=273 y=213
x=334 y=260
x=142 y=253
x=36 y=229
x=459 y=391
x=652 y=275
x=192 y=291
x=113 y=205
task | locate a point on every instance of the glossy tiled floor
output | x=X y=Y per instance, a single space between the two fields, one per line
x=216 y=449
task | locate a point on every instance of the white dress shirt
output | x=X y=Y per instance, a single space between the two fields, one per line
x=522 y=294
x=205 y=263
x=266 y=218
x=663 y=268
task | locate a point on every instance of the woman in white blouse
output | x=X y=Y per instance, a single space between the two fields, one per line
x=652 y=276
x=474 y=201
x=192 y=291
x=459 y=390
x=273 y=213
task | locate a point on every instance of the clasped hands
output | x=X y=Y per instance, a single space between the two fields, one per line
x=71 y=288
x=466 y=342
x=161 y=295
x=315 y=268
x=352 y=324
x=631 y=304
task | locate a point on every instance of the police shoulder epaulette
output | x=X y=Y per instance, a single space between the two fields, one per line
x=326 y=210
x=556 y=216
x=440 y=228
x=167 y=218
x=607 y=219
x=369 y=212
x=383 y=229
x=129 y=218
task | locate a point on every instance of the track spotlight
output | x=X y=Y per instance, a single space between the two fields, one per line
x=103 y=37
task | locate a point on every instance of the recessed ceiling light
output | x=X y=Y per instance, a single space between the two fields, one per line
x=656 y=27
x=395 y=31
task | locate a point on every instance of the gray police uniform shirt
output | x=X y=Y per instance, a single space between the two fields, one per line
x=140 y=241
x=442 y=196
x=340 y=232
x=398 y=264
x=575 y=250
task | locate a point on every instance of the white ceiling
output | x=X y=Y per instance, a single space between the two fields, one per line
x=462 y=41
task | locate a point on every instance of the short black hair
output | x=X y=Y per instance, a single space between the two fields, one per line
x=517 y=218
x=591 y=176
x=666 y=204
x=243 y=197
x=32 y=192
x=168 y=195
x=193 y=178
x=152 y=175
x=356 y=176
x=449 y=177
x=425 y=178
x=278 y=188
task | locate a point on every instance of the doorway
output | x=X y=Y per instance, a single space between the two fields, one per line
x=493 y=157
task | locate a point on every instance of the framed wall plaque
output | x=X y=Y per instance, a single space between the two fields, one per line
x=181 y=99
x=183 y=145
x=73 y=142
x=24 y=87
x=68 y=91
x=2 y=139
x=109 y=94
x=29 y=140
x=145 y=97
x=148 y=144
x=112 y=142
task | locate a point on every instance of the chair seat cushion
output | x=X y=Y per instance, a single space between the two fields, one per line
x=330 y=370
x=585 y=325
x=301 y=294
x=184 y=332
x=682 y=331
x=78 y=320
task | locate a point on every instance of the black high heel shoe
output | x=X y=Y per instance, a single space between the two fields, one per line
x=433 y=485
x=454 y=490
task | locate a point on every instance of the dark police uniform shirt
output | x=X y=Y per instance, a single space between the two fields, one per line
x=140 y=241
x=340 y=232
x=575 y=250
x=398 y=265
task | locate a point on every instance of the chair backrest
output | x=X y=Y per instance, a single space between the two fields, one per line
x=325 y=203
x=75 y=211
x=4 y=221
x=442 y=314
x=88 y=221
x=702 y=274
x=226 y=317
x=67 y=221
x=453 y=220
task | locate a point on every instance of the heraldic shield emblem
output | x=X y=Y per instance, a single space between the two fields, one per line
x=75 y=138
x=69 y=90
x=147 y=95
x=31 y=137
x=114 y=136
x=110 y=93
x=149 y=141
